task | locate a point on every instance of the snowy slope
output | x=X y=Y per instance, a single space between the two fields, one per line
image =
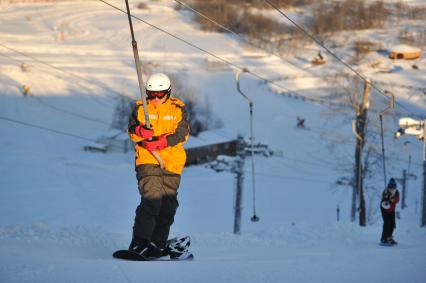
x=65 y=210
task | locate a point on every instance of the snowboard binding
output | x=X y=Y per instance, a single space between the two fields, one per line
x=178 y=248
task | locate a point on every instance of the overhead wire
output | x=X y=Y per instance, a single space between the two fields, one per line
x=39 y=100
x=224 y=60
x=46 y=129
x=92 y=140
x=239 y=36
x=47 y=64
x=297 y=168
x=80 y=78
x=62 y=78
x=292 y=178
x=217 y=57
x=176 y=37
x=240 y=68
x=242 y=38
x=306 y=33
x=367 y=81
x=246 y=41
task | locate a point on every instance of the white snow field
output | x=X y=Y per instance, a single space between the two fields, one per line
x=63 y=211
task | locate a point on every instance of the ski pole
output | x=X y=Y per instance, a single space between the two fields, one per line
x=140 y=81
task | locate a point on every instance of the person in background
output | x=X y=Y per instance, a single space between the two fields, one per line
x=300 y=123
x=390 y=197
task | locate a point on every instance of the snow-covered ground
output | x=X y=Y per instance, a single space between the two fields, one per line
x=64 y=211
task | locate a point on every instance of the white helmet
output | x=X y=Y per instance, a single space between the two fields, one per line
x=158 y=82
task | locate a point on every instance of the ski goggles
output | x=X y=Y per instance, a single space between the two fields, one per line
x=156 y=94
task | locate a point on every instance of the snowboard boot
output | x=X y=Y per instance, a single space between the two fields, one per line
x=145 y=248
x=177 y=248
x=391 y=241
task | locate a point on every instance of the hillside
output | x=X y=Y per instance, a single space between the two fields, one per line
x=64 y=210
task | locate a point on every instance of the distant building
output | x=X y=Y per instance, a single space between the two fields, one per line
x=404 y=52
x=115 y=141
x=209 y=145
x=199 y=150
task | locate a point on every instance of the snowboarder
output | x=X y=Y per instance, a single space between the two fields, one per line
x=390 y=197
x=300 y=122
x=157 y=186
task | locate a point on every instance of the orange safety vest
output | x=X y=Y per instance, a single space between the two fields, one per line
x=169 y=119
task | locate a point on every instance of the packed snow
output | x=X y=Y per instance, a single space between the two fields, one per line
x=404 y=48
x=65 y=210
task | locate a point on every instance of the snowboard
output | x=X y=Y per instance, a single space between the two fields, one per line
x=387 y=244
x=176 y=250
x=132 y=256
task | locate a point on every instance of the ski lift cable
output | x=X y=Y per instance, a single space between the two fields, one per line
x=37 y=60
x=235 y=66
x=333 y=54
x=62 y=78
x=320 y=163
x=61 y=70
x=39 y=100
x=292 y=178
x=240 y=36
x=44 y=63
x=244 y=39
x=46 y=129
x=299 y=168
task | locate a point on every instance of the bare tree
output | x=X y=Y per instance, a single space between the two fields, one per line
x=122 y=110
x=363 y=202
x=201 y=116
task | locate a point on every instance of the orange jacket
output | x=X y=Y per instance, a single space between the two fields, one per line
x=169 y=119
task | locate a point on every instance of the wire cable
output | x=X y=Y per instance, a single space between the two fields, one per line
x=61 y=70
x=46 y=63
x=62 y=78
x=256 y=46
x=242 y=69
x=246 y=41
x=240 y=36
x=334 y=55
x=46 y=129
x=292 y=178
x=39 y=100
